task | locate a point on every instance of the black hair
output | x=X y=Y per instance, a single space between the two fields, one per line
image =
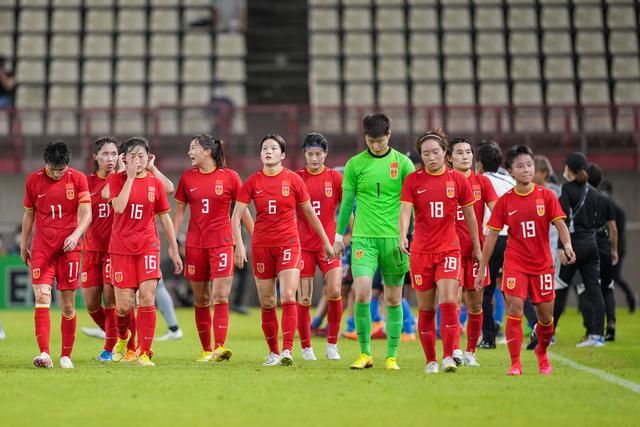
x=376 y=124
x=437 y=135
x=458 y=140
x=490 y=155
x=277 y=138
x=216 y=146
x=131 y=143
x=99 y=143
x=315 y=139
x=595 y=174
x=515 y=152
x=606 y=186
x=57 y=153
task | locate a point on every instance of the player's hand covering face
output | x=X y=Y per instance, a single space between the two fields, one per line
x=140 y=156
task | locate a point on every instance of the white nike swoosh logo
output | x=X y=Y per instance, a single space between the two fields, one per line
x=421 y=191
x=93 y=194
x=41 y=195
x=512 y=212
x=258 y=192
x=331 y=261
x=73 y=280
x=149 y=271
x=222 y=268
x=193 y=189
x=545 y=293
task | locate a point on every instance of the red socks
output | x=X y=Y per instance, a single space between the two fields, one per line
x=545 y=333
x=334 y=318
x=203 y=324
x=42 y=322
x=304 y=324
x=131 y=345
x=220 y=323
x=98 y=316
x=68 y=332
x=146 y=327
x=289 y=320
x=449 y=328
x=427 y=332
x=122 y=324
x=270 y=328
x=514 y=337
x=474 y=330
x=110 y=329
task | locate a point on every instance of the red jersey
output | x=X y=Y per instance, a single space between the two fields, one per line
x=325 y=191
x=435 y=200
x=529 y=217
x=275 y=198
x=209 y=196
x=56 y=207
x=99 y=231
x=483 y=194
x=134 y=230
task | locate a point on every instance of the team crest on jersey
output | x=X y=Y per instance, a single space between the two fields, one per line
x=285 y=188
x=260 y=267
x=219 y=187
x=36 y=273
x=393 y=172
x=191 y=269
x=540 y=207
x=359 y=253
x=328 y=189
x=417 y=278
x=511 y=283
x=83 y=277
x=151 y=195
x=71 y=193
x=477 y=192
x=119 y=276
x=451 y=189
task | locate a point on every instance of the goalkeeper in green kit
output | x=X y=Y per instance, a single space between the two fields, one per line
x=374 y=179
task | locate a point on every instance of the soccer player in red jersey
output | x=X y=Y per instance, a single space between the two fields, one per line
x=275 y=247
x=435 y=193
x=96 y=277
x=460 y=155
x=528 y=210
x=57 y=202
x=208 y=189
x=325 y=189
x=137 y=196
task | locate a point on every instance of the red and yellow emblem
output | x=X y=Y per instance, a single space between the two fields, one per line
x=540 y=207
x=260 y=267
x=151 y=195
x=477 y=192
x=71 y=193
x=328 y=189
x=359 y=253
x=417 y=279
x=286 y=189
x=119 y=276
x=394 y=170
x=36 y=273
x=451 y=189
x=191 y=269
x=511 y=283
x=83 y=277
x=219 y=187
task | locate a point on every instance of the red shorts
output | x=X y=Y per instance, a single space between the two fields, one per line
x=203 y=264
x=470 y=272
x=312 y=258
x=538 y=286
x=96 y=269
x=64 y=268
x=427 y=269
x=267 y=262
x=128 y=271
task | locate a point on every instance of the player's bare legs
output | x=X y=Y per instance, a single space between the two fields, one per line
x=544 y=330
x=515 y=310
x=427 y=327
x=473 y=298
x=221 y=289
x=333 y=291
x=450 y=324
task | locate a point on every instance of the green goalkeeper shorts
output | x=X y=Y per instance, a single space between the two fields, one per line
x=369 y=253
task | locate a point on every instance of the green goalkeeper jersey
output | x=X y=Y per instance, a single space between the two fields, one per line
x=376 y=182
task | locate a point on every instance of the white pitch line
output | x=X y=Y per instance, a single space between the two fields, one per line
x=598 y=373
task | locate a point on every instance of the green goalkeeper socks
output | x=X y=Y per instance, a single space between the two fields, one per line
x=394 y=329
x=362 y=314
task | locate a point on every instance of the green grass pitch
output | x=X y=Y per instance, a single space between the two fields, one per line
x=179 y=392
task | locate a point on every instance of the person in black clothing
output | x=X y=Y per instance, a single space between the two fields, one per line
x=581 y=203
x=607 y=241
x=7 y=85
x=621 y=224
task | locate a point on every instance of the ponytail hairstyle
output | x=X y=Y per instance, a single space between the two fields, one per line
x=216 y=146
x=437 y=135
x=99 y=143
